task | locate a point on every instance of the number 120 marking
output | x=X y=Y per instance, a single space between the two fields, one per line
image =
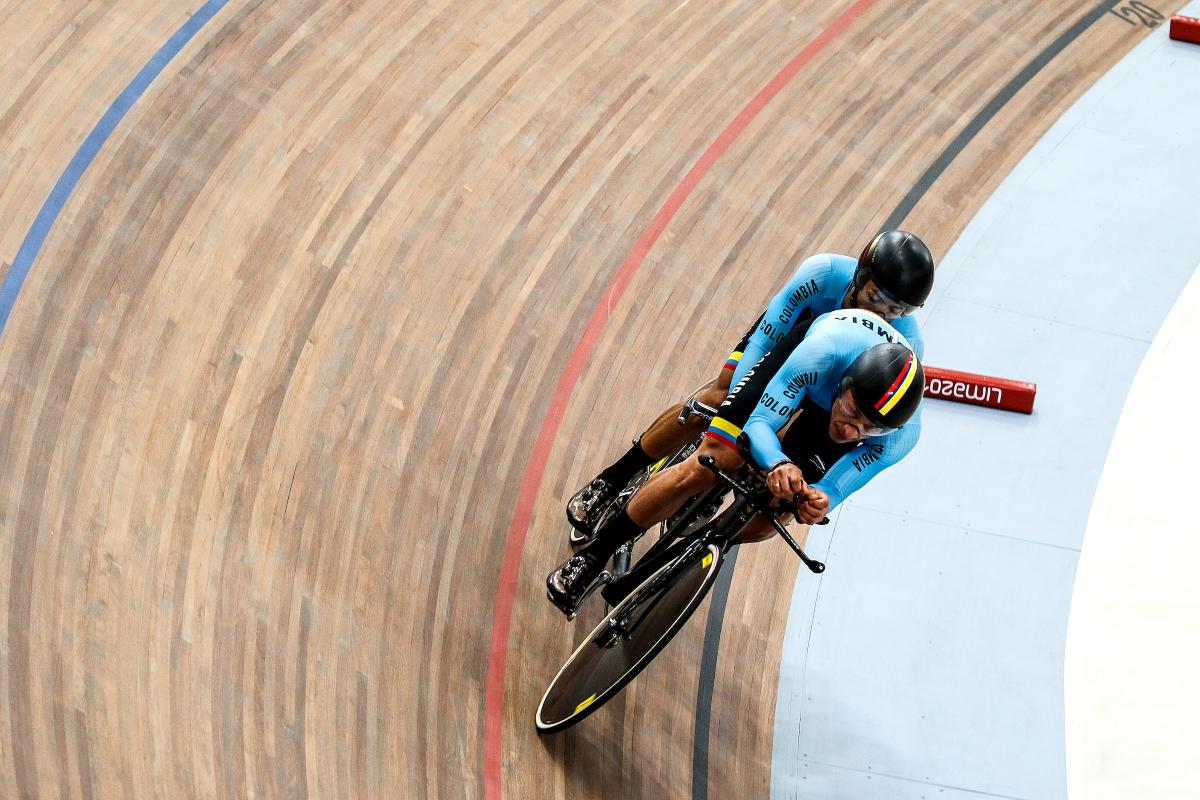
x=1139 y=10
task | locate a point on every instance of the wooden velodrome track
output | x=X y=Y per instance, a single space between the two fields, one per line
x=354 y=296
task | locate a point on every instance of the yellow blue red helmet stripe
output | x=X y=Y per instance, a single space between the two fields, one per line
x=901 y=386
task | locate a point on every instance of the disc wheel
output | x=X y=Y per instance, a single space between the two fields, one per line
x=627 y=639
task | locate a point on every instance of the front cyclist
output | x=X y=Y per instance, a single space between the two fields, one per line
x=892 y=277
x=856 y=383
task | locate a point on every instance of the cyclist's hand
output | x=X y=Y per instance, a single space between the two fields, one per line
x=813 y=506
x=786 y=481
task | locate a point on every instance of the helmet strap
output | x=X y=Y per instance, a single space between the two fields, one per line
x=850 y=298
x=856 y=285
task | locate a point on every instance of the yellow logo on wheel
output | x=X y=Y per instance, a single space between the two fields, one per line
x=585 y=704
x=706 y=562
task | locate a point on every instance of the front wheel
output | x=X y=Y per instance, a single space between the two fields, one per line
x=628 y=638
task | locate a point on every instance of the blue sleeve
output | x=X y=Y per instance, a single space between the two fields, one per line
x=806 y=366
x=855 y=469
x=750 y=356
x=911 y=330
x=786 y=308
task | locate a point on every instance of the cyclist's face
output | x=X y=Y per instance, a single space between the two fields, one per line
x=872 y=298
x=847 y=423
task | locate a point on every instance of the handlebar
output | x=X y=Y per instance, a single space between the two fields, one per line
x=709 y=463
x=694 y=408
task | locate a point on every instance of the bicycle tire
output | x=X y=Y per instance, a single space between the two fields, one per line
x=619 y=664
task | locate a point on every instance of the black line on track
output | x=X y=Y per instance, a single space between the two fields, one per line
x=708 y=676
x=993 y=107
x=716 y=611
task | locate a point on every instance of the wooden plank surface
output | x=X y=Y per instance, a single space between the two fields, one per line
x=269 y=392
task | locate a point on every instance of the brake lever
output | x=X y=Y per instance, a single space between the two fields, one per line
x=812 y=564
x=792 y=507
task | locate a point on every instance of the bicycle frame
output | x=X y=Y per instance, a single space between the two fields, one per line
x=749 y=501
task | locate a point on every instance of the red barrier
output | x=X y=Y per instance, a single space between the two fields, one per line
x=979 y=390
x=1185 y=29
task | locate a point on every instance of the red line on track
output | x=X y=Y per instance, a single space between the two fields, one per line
x=510 y=567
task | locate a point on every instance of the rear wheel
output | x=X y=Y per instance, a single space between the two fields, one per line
x=628 y=638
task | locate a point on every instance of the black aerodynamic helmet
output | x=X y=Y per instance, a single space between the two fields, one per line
x=901 y=266
x=887 y=382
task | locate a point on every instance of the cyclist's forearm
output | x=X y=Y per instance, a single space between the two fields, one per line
x=764 y=443
x=750 y=356
x=859 y=467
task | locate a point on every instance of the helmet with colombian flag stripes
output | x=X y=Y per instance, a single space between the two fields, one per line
x=887 y=383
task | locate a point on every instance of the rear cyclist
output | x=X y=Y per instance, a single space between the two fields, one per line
x=856 y=383
x=892 y=277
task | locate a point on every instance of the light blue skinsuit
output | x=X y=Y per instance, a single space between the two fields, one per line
x=814 y=370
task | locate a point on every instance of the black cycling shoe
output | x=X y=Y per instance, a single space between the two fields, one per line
x=573 y=581
x=585 y=507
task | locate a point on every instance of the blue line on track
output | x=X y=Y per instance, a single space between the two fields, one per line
x=87 y=152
